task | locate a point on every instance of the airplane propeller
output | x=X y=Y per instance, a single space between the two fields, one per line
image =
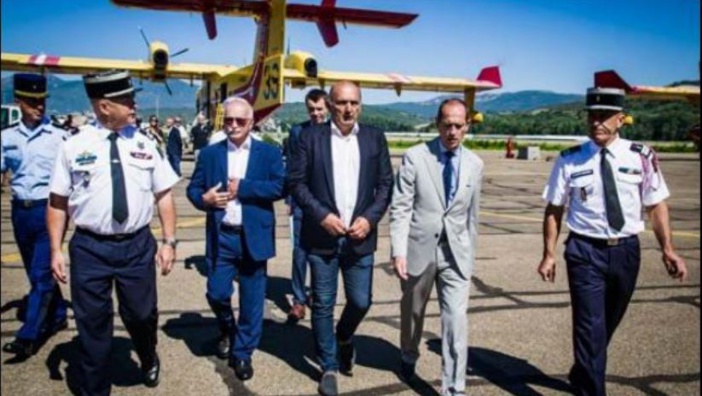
x=159 y=56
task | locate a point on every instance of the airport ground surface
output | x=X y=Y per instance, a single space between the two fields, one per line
x=519 y=340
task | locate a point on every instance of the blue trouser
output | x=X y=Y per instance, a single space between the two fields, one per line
x=46 y=307
x=175 y=163
x=602 y=280
x=233 y=262
x=96 y=264
x=299 y=264
x=357 y=272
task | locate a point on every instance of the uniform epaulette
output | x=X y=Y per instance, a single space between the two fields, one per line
x=571 y=150
x=641 y=149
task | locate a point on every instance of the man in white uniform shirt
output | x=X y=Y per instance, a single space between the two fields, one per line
x=236 y=181
x=105 y=180
x=341 y=177
x=606 y=182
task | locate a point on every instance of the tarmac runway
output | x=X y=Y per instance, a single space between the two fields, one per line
x=519 y=327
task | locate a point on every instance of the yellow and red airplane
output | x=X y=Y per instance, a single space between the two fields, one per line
x=263 y=82
x=611 y=79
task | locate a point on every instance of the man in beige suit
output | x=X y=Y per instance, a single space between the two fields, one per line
x=434 y=228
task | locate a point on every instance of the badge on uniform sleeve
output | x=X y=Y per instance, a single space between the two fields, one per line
x=86 y=158
x=141 y=146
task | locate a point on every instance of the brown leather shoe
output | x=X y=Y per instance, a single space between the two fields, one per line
x=297 y=312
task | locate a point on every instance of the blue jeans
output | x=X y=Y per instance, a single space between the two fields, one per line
x=299 y=260
x=357 y=272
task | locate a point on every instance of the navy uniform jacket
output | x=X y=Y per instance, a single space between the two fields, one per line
x=263 y=184
x=312 y=186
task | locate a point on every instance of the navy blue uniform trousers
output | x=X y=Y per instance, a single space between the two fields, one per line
x=45 y=307
x=602 y=279
x=233 y=262
x=98 y=263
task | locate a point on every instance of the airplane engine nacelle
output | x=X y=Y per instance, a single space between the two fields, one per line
x=302 y=62
x=159 y=57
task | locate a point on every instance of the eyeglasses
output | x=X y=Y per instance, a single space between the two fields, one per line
x=240 y=121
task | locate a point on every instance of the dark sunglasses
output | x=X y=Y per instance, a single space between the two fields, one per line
x=238 y=120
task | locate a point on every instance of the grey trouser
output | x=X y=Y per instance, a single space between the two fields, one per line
x=453 y=292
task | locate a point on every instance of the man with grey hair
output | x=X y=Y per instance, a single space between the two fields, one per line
x=236 y=181
x=106 y=180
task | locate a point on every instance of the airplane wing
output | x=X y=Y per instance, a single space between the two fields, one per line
x=489 y=78
x=139 y=69
x=610 y=78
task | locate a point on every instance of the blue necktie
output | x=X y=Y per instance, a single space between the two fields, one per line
x=448 y=176
x=120 y=210
x=615 y=217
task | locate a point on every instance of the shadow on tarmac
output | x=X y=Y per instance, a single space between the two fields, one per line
x=124 y=371
x=510 y=373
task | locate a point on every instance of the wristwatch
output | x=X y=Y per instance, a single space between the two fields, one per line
x=172 y=242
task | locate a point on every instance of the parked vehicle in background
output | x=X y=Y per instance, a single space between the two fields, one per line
x=11 y=115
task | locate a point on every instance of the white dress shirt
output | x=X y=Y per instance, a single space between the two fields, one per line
x=82 y=173
x=346 y=163
x=237 y=163
x=576 y=180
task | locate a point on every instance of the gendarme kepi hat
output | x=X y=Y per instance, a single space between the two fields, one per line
x=109 y=84
x=611 y=99
x=29 y=85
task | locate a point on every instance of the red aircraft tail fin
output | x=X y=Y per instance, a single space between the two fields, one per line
x=491 y=74
x=610 y=79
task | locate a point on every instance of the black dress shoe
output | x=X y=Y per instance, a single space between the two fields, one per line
x=407 y=370
x=223 y=347
x=243 y=370
x=151 y=373
x=55 y=328
x=347 y=358
x=22 y=348
x=327 y=385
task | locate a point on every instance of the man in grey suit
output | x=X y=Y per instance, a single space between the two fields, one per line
x=434 y=228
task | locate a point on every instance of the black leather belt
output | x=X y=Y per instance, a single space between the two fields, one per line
x=234 y=229
x=29 y=203
x=602 y=242
x=110 y=237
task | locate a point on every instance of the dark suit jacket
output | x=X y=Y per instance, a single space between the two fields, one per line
x=289 y=150
x=312 y=185
x=262 y=185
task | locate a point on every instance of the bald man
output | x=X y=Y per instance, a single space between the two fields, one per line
x=341 y=177
x=236 y=182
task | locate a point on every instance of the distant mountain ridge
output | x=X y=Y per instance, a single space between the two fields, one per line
x=69 y=95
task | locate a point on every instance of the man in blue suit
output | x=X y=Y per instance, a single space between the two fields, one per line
x=342 y=178
x=316 y=104
x=236 y=182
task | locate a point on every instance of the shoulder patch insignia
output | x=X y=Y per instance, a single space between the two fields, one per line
x=641 y=149
x=571 y=150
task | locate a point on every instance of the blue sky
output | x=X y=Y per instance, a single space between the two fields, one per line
x=552 y=45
